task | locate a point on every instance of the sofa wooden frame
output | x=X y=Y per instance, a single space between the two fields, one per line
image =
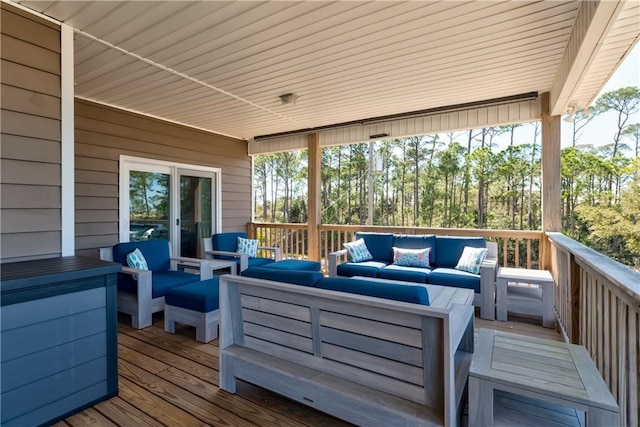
x=486 y=299
x=141 y=305
x=366 y=360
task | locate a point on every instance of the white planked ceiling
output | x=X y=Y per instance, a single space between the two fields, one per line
x=221 y=66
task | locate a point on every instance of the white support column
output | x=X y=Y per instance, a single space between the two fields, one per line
x=67 y=142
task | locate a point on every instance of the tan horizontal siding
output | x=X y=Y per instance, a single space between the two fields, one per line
x=29 y=102
x=15 y=196
x=103 y=134
x=40 y=150
x=38 y=81
x=25 y=53
x=30 y=165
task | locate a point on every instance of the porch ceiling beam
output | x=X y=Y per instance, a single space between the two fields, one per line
x=594 y=20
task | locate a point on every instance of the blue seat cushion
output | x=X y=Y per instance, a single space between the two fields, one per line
x=378 y=244
x=155 y=252
x=227 y=242
x=199 y=296
x=449 y=248
x=256 y=262
x=406 y=293
x=366 y=268
x=418 y=241
x=295 y=264
x=296 y=277
x=451 y=277
x=161 y=282
x=409 y=274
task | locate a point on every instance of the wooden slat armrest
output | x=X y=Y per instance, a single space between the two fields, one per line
x=144 y=281
x=277 y=254
x=333 y=261
x=206 y=270
x=488 y=271
x=244 y=259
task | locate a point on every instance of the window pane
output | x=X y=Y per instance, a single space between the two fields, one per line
x=148 y=206
x=195 y=213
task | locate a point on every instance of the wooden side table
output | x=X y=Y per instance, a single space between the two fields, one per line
x=541 y=278
x=533 y=368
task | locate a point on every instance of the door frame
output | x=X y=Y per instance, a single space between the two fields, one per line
x=128 y=163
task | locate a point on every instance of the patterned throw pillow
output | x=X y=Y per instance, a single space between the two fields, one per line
x=358 y=251
x=471 y=259
x=411 y=257
x=248 y=246
x=135 y=259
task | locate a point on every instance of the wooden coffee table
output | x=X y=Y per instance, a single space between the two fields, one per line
x=535 y=373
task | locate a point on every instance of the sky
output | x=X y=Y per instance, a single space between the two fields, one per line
x=601 y=129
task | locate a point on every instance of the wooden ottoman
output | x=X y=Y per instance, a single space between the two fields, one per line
x=195 y=304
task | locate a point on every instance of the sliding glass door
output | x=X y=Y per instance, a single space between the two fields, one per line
x=196 y=210
x=177 y=202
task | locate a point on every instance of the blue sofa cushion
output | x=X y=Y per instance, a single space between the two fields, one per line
x=449 y=248
x=366 y=268
x=408 y=274
x=295 y=264
x=418 y=241
x=227 y=242
x=256 y=262
x=405 y=293
x=296 y=277
x=161 y=282
x=451 y=277
x=379 y=244
x=199 y=296
x=155 y=252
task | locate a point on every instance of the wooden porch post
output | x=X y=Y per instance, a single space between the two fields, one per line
x=551 y=189
x=314 y=217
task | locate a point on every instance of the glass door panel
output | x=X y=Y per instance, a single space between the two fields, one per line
x=197 y=204
x=149 y=205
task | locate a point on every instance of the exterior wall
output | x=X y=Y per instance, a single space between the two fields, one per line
x=103 y=134
x=30 y=181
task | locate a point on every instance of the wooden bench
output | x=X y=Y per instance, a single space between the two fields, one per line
x=366 y=360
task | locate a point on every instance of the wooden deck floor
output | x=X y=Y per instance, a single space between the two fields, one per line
x=172 y=380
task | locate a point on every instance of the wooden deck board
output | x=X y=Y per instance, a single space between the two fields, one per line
x=171 y=379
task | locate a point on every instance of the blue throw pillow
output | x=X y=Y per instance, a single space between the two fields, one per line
x=135 y=259
x=471 y=259
x=411 y=257
x=248 y=247
x=358 y=251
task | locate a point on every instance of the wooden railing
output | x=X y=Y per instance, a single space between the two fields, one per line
x=515 y=248
x=598 y=306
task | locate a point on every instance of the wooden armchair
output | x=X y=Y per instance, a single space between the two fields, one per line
x=225 y=246
x=141 y=292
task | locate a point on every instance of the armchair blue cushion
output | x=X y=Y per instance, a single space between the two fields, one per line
x=228 y=242
x=156 y=253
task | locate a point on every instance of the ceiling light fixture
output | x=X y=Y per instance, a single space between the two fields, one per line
x=288 y=98
x=571 y=112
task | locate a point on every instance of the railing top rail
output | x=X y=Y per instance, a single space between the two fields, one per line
x=288 y=226
x=521 y=234
x=618 y=274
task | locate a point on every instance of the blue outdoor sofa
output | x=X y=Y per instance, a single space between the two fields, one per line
x=444 y=255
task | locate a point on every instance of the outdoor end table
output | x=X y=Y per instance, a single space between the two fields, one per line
x=530 y=368
x=541 y=278
x=219 y=264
